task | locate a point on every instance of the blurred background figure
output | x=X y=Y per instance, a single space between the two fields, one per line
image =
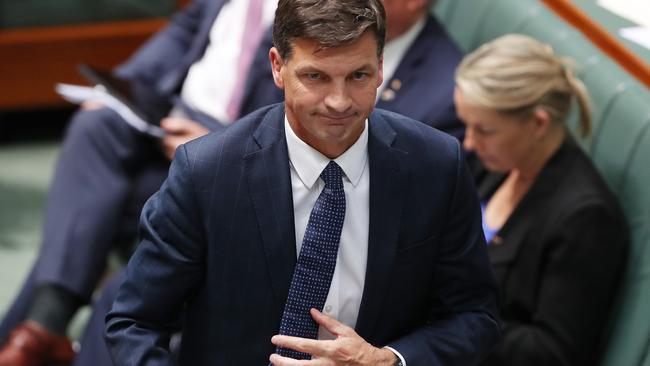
x=557 y=238
x=107 y=170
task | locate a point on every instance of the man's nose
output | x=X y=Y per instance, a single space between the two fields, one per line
x=338 y=98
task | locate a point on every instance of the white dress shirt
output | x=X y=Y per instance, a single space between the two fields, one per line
x=306 y=164
x=211 y=80
x=344 y=297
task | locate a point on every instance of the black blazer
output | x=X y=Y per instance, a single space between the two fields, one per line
x=557 y=260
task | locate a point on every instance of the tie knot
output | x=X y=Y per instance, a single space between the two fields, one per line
x=332 y=175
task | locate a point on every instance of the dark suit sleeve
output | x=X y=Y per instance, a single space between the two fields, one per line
x=162 y=273
x=463 y=326
x=574 y=297
x=163 y=51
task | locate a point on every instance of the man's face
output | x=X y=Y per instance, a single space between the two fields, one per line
x=330 y=92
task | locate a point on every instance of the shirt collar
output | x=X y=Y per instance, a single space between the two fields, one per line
x=309 y=162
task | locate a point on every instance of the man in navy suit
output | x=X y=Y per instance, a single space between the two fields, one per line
x=412 y=284
x=424 y=58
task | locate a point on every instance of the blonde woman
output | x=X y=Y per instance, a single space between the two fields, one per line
x=556 y=236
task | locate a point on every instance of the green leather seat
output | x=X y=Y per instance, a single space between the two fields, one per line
x=622 y=153
x=619 y=145
x=33 y=13
x=492 y=26
x=462 y=19
x=24 y=178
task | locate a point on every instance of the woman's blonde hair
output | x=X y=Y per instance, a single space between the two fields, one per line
x=516 y=74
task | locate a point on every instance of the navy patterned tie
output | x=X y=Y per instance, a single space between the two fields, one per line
x=316 y=262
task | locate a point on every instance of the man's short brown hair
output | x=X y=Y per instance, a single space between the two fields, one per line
x=331 y=23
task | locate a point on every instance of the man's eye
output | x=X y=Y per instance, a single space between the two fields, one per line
x=313 y=75
x=359 y=75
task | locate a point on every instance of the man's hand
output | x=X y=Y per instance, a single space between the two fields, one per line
x=91 y=105
x=347 y=349
x=179 y=131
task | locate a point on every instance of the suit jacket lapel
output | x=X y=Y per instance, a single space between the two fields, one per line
x=402 y=78
x=387 y=184
x=269 y=181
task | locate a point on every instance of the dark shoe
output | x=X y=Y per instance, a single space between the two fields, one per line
x=30 y=344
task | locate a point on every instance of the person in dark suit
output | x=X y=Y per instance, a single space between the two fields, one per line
x=423 y=58
x=107 y=170
x=557 y=237
x=393 y=237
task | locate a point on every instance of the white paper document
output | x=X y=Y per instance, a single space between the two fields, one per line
x=79 y=94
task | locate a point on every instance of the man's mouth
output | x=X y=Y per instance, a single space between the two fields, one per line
x=337 y=117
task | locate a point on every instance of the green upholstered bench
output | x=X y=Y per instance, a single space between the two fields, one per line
x=39 y=13
x=26 y=172
x=24 y=179
x=619 y=147
x=41 y=42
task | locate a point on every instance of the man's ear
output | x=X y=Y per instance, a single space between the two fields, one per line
x=276 y=67
x=380 y=71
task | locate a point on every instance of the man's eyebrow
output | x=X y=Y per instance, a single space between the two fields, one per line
x=364 y=67
x=307 y=68
x=311 y=68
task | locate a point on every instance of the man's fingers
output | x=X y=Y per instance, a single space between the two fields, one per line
x=305 y=345
x=332 y=325
x=169 y=144
x=278 y=360
x=173 y=125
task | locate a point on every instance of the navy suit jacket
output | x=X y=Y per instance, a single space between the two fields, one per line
x=218 y=245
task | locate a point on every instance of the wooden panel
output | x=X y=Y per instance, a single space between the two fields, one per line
x=182 y=3
x=33 y=60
